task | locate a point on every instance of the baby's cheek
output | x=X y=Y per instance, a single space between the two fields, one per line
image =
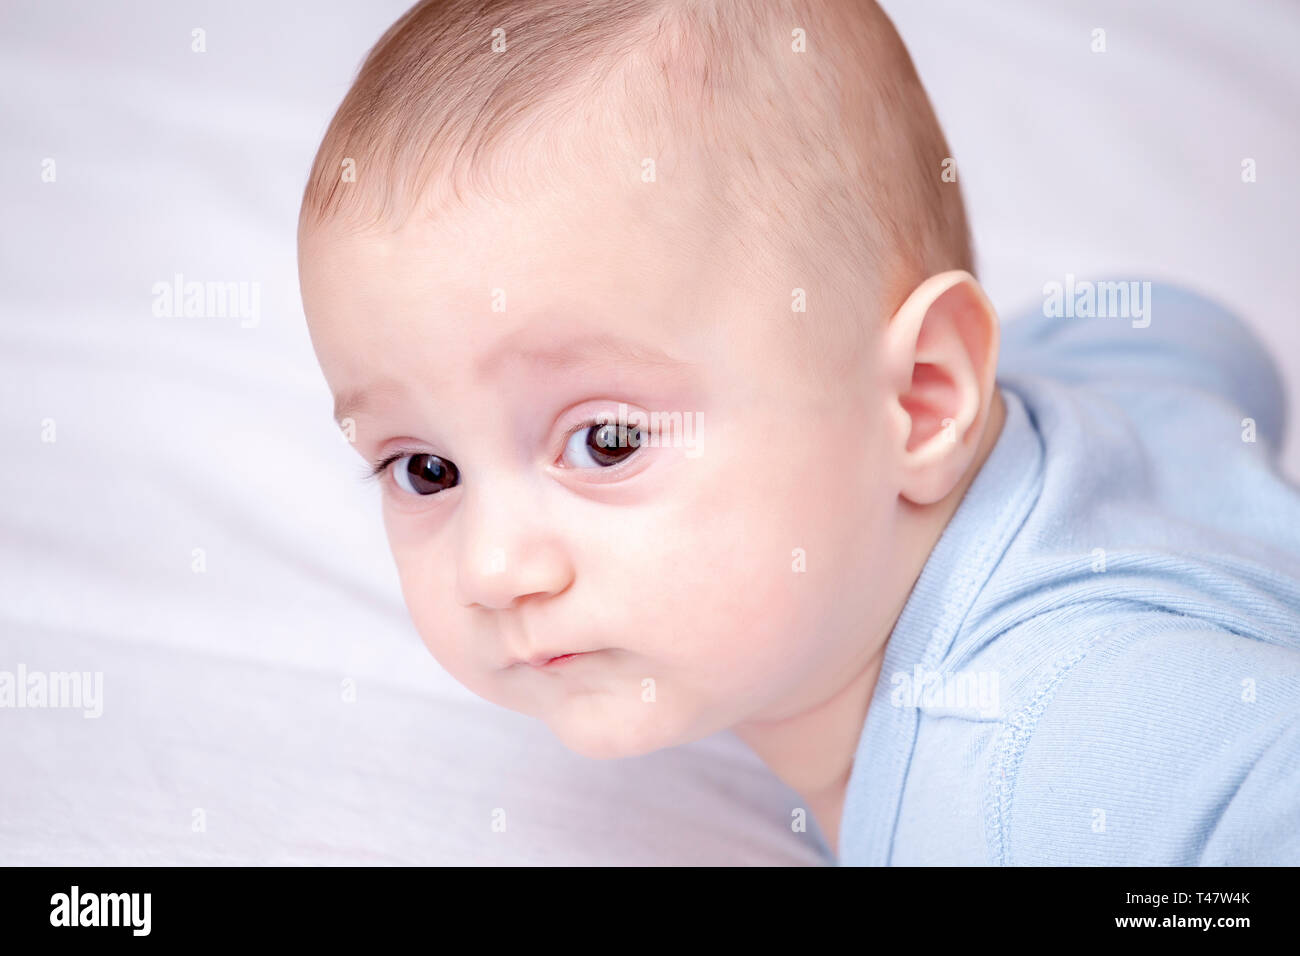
x=428 y=590
x=716 y=580
x=762 y=568
x=435 y=627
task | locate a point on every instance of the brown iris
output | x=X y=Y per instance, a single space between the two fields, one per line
x=429 y=474
x=610 y=444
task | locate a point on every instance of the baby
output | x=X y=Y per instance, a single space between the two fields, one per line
x=658 y=325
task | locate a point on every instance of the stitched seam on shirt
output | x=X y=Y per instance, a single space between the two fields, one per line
x=1005 y=531
x=1012 y=748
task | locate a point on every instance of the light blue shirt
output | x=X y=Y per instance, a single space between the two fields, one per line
x=1100 y=662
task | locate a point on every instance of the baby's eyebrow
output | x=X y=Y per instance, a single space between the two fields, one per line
x=586 y=352
x=578 y=353
x=347 y=404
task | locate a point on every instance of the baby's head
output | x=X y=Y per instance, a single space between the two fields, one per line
x=656 y=319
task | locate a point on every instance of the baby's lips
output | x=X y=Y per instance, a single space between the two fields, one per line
x=550 y=658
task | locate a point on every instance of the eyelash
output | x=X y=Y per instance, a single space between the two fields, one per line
x=375 y=472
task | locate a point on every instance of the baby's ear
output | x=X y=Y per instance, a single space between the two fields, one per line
x=941 y=354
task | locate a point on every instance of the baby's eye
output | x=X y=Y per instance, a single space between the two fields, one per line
x=600 y=446
x=424 y=474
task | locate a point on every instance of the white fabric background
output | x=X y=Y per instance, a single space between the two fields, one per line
x=222 y=689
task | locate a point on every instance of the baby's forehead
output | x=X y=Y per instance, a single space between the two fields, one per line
x=550 y=292
x=581 y=254
x=594 y=238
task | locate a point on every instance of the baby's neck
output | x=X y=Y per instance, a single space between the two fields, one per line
x=812 y=752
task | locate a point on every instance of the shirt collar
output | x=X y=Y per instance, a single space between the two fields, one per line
x=978 y=534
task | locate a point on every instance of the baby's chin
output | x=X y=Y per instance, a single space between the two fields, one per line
x=594 y=710
x=607 y=727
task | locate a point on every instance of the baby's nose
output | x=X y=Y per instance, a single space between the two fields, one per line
x=506 y=556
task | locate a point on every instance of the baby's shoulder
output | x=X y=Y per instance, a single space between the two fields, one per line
x=1158 y=740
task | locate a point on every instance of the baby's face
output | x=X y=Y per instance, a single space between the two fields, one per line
x=718 y=566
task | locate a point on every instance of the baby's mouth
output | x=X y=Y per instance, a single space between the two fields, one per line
x=552 y=661
x=558 y=660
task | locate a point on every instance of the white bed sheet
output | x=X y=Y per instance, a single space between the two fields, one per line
x=222 y=689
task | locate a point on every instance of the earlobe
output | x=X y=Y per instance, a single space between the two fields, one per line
x=942 y=354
